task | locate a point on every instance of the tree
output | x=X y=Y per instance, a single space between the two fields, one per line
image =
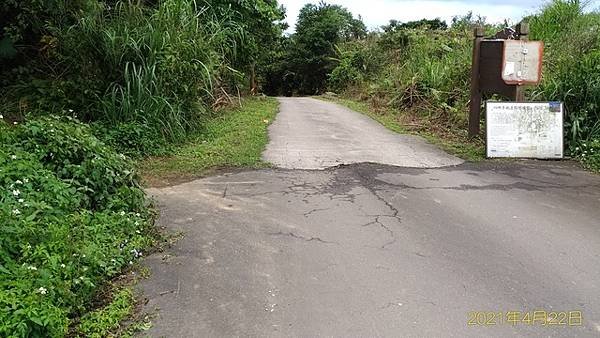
x=261 y=24
x=435 y=24
x=23 y=24
x=319 y=28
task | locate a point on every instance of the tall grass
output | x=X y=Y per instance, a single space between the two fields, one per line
x=572 y=68
x=422 y=70
x=162 y=64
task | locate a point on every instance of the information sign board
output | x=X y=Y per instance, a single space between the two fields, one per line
x=524 y=129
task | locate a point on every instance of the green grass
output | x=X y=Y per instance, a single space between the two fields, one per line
x=459 y=145
x=234 y=139
x=106 y=320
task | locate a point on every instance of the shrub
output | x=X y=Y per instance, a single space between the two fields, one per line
x=589 y=154
x=131 y=138
x=71 y=216
x=105 y=179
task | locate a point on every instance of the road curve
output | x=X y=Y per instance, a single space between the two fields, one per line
x=314 y=134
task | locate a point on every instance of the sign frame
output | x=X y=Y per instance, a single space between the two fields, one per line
x=562 y=131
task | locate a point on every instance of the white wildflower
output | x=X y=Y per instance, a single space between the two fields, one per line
x=137 y=214
x=21 y=200
x=15 y=123
x=122 y=213
x=42 y=290
x=16 y=212
x=18 y=182
x=63 y=266
x=26 y=180
x=13 y=157
x=31 y=267
x=16 y=192
x=1 y=117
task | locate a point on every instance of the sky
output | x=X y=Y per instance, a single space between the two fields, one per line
x=376 y=13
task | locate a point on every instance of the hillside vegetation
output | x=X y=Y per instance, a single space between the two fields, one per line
x=85 y=84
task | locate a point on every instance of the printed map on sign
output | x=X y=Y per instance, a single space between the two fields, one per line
x=528 y=130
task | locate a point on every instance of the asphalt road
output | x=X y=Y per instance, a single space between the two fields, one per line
x=370 y=250
x=314 y=134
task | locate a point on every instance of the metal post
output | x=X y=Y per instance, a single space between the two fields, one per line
x=523 y=34
x=475 y=105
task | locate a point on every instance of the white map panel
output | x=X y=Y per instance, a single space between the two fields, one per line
x=527 y=130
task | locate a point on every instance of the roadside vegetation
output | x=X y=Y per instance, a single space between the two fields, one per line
x=85 y=87
x=72 y=216
x=234 y=138
x=417 y=74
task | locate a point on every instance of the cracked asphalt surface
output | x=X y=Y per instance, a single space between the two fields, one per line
x=369 y=250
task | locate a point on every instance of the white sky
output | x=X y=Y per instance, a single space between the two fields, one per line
x=379 y=12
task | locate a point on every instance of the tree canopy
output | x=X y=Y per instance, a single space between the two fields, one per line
x=310 y=51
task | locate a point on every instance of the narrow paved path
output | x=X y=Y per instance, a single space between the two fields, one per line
x=314 y=134
x=370 y=250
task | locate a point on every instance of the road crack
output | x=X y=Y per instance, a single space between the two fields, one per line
x=306 y=214
x=368 y=183
x=300 y=237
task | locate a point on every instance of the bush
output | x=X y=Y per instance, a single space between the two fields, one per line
x=71 y=216
x=130 y=138
x=105 y=179
x=589 y=154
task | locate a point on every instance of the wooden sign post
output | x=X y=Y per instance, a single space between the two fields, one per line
x=475 y=105
x=502 y=65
